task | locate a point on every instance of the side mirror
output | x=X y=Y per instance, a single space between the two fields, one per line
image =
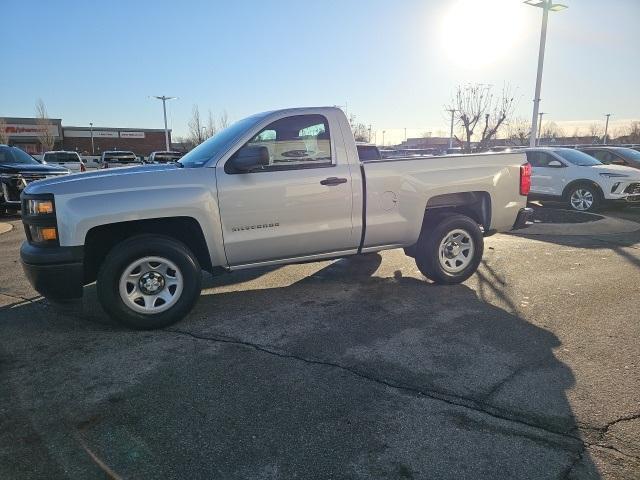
x=248 y=159
x=555 y=163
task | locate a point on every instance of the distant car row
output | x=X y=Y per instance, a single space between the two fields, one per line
x=18 y=168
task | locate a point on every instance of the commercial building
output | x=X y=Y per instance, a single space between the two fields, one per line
x=28 y=133
x=141 y=141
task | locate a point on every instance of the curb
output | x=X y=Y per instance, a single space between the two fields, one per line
x=5 y=227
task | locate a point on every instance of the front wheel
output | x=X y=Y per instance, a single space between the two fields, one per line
x=451 y=251
x=149 y=282
x=583 y=198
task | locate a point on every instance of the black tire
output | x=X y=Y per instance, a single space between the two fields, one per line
x=592 y=193
x=428 y=249
x=123 y=255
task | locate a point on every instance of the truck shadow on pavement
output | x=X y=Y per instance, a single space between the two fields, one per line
x=399 y=378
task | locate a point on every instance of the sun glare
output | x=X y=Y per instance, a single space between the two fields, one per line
x=478 y=33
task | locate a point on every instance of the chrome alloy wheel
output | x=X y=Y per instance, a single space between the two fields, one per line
x=581 y=199
x=151 y=285
x=456 y=251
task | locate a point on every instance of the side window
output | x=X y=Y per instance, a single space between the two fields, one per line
x=601 y=155
x=533 y=158
x=300 y=141
x=616 y=160
x=545 y=159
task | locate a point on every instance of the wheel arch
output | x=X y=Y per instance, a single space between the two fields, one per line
x=583 y=181
x=102 y=238
x=475 y=205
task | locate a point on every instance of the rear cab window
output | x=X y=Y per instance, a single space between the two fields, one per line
x=368 y=152
x=61 y=157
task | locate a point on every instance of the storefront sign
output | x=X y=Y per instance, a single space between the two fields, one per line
x=87 y=133
x=24 y=130
x=131 y=134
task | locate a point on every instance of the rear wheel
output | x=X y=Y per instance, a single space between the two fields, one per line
x=149 y=281
x=450 y=251
x=583 y=198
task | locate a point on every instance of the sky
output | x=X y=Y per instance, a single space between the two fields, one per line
x=392 y=64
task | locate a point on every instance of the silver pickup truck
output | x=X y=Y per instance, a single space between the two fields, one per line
x=278 y=187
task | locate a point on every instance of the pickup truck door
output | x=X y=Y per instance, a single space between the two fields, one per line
x=299 y=205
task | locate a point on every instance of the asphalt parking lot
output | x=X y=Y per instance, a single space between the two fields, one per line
x=356 y=368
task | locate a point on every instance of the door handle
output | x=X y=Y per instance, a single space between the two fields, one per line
x=333 y=181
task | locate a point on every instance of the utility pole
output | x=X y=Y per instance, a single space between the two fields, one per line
x=453 y=111
x=546 y=5
x=93 y=150
x=369 y=141
x=606 y=129
x=164 y=99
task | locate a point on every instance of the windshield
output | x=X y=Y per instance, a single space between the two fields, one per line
x=629 y=154
x=577 y=158
x=15 y=155
x=219 y=143
x=61 y=157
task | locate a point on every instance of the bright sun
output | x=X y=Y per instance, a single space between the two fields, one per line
x=478 y=33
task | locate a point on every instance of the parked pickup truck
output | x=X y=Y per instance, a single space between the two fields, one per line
x=280 y=187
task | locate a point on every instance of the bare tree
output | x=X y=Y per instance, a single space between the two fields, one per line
x=211 y=129
x=519 y=131
x=196 y=134
x=595 y=131
x=223 y=120
x=477 y=108
x=46 y=139
x=4 y=136
x=633 y=132
x=360 y=131
x=551 y=130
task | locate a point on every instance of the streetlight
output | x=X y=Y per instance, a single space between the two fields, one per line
x=383 y=132
x=453 y=111
x=164 y=110
x=606 y=128
x=540 y=127
x=547 y=6
x=93 y=150
x=204 y=133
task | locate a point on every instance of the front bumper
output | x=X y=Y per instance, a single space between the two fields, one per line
x=55 y=272
x=523 y=220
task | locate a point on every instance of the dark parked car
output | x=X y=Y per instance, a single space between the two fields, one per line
x=119 y=158
x=17 y=170
x=164 y=157
x=614 y=155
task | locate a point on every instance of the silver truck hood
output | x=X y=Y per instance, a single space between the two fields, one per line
x=124 y=178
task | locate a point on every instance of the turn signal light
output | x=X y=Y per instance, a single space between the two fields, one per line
x=525 y=179
x=43 y=234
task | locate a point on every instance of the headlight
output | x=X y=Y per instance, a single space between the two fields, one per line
x=39 y=207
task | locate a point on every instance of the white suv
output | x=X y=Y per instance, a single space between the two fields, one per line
x=69 y=160
x=580 y=180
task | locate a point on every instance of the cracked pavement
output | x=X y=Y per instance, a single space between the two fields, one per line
x=355 y=368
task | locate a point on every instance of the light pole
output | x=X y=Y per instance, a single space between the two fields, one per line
x=383 y=132
x=204 y=133
x=606 y=128
x=453 y=111
x=369 y=133
x=547 y=6
x=164 y=110
x=540 y=127
x=93 y=150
